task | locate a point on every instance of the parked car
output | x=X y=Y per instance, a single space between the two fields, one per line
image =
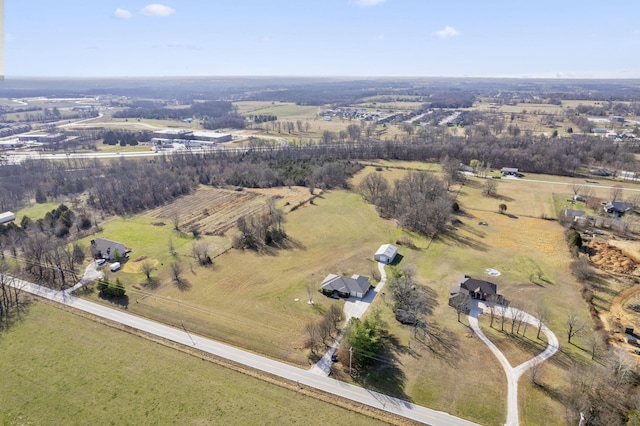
x=101 y=262
x=114 y=266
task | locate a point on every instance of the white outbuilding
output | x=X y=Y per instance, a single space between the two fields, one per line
x=7 y=217
x=386 y=253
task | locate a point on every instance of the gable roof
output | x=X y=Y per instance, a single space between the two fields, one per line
x=388 y=250
x=107 y=247
x=619 y=206
x=479 y=286
x=574 y=213
x=341 y=284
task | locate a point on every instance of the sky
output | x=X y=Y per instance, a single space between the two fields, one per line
x=359 y=38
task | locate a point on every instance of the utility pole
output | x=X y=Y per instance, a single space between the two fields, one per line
x=182 y=323
x=350 y=356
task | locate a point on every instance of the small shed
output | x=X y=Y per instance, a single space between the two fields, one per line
x=628 y=329
x=386 y=253
x=7 y=217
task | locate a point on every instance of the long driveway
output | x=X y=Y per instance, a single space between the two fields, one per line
x=353 y=308
x=276 y=368
x=513 y=373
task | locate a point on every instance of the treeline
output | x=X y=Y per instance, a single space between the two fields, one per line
x=124 y=138
x=159 y=111
x=129 y=186
x=263 y=118
x=451 y=99
x=229 y=121
x=41 y=244
x=11 y=300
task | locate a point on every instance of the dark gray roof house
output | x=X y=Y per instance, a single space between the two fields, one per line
x=617 y=208
x=356 y=286
x=106 y=249
x=475 y=289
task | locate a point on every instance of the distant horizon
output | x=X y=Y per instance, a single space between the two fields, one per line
x=342 y=77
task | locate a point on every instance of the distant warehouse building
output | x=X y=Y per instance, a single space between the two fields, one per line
x=43 y=138
x=191 y=135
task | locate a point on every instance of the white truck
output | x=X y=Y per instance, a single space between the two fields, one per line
x=114 y=266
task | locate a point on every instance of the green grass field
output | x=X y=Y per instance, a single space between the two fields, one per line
x=60 y=368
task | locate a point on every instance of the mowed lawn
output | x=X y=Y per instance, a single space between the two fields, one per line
x=60 y=368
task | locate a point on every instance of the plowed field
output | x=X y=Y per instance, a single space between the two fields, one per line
x=211 y=211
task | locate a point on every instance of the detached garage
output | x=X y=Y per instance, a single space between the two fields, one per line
x=386 y=253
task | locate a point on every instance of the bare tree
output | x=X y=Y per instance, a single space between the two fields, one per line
x=373 y=186
x=616 y=193
x=175 y=220
x=147 y=268
x=314 y=337
x=502 y=311
x=535 y=373
x=542 y=315
x=177 y=272
x=577 y=189
x=334 y=315
x=461 y=304
x=595 y=345
x=574 y=326
x=490 y=187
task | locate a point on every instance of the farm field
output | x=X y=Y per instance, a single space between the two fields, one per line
x=64 y=369
x=211 y=211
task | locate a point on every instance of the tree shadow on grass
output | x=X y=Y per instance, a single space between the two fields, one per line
x=440 y=341
x=182 y=284
x=151 y=283
x=122 y=301
x=385 y=375
x=16 y=315
x=455 y=238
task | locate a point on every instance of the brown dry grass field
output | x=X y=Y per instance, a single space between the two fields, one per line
x=258 y=301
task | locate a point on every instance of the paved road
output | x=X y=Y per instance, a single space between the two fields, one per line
x=513 y=373
x=303 y=377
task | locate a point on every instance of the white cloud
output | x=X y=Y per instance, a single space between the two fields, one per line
x=157 y=10
x=122 y=14
x=365 y=3
x=447 y=32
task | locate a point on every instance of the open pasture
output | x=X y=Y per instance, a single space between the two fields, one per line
x=64 y=369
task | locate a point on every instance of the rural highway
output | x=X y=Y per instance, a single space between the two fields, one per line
x=276 y=368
